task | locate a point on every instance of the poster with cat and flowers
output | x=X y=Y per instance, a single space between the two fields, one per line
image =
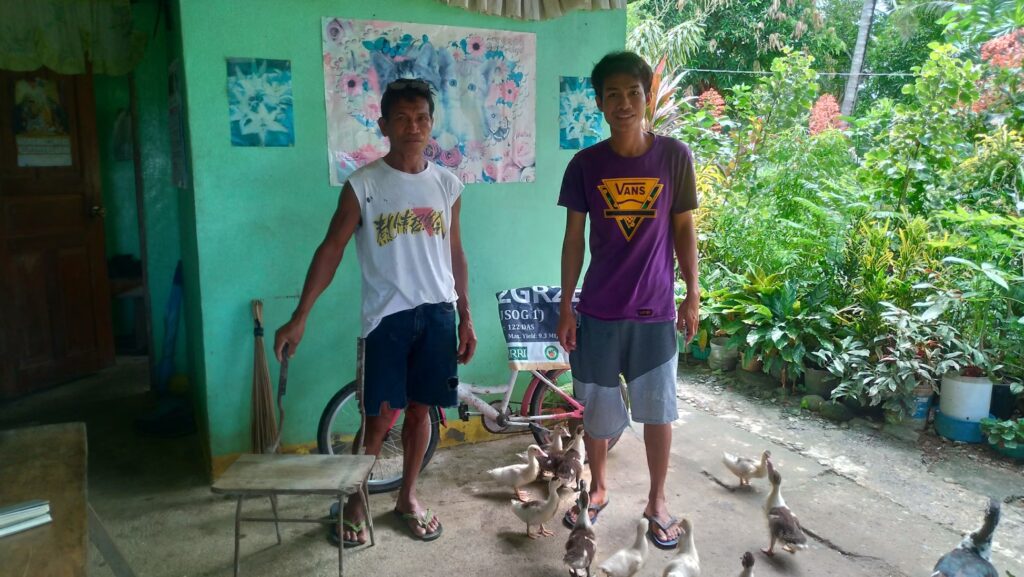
x=484 y=85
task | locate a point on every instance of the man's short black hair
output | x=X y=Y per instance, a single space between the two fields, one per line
x=407 y=89
x=621 y=63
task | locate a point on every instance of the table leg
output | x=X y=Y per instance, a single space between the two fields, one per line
x=365 y=494
x=273 y=507
x=238 y=527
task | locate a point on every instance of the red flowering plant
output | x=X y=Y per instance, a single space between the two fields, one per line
x=1002 y=89
x=825 y=115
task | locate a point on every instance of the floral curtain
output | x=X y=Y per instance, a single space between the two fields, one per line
x=63 y=35
x=534 y=9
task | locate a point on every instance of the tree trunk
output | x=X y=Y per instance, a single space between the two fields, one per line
x=863 y=33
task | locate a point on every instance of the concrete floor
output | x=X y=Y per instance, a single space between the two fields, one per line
x=873 y=505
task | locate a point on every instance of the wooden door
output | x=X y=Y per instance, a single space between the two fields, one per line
x=55 y=321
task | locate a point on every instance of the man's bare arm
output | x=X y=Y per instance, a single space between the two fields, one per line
x=460 y=270
x=684 y=237
x=325 y=263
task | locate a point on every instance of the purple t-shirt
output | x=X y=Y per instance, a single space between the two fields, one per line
x=630 y=202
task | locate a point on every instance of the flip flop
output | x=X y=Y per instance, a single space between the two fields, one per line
x=567 y=518
x=669 y=544
x=332 y=530
x=422 y=520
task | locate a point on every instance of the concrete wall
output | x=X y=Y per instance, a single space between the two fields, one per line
x=259 y=213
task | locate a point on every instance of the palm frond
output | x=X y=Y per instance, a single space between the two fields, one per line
x=907 y=17
x=683 y=40
x=647 y=39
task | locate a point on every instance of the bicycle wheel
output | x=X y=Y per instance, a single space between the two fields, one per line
x=546 y=402
x=339 y=427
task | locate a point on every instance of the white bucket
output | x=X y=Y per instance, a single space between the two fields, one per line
x=965 y=398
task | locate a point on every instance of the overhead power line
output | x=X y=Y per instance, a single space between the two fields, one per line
x=761 y=72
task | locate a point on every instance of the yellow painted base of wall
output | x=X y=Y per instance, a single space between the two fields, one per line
x=456 y=433
x=220 y=463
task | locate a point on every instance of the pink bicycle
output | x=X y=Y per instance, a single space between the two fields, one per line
x=529 y=317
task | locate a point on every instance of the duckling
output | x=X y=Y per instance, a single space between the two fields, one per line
x=748 y=565
x=626 y=562
x=520 y=475
x=581 y=548
x=553 y=440
x=972 y=557
x=553 y=446
x=570 y=465
x=746 y=468
x=577 y=443
x=539 y=512
x=686 y=562
x=782 y=523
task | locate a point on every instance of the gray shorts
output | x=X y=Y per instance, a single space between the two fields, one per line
x=645 y=354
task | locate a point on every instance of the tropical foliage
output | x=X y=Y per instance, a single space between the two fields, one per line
x=887 y=247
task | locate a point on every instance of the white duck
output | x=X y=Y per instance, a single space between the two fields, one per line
x=519 y=475
x=626 y=562
x=581 y=548
x=686 y=562
x=539 y=512
x=746 y=468
x=782 y=523
x=748 y=565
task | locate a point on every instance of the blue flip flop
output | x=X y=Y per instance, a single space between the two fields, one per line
x=669 y=544
x=567 y=519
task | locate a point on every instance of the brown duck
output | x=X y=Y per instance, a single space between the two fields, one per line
x=783 y=525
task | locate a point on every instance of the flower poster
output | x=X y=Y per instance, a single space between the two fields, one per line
x=484 y=82
x=260 y=102
x=579 y=119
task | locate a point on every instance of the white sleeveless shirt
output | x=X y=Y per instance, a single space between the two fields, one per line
x=402 y=239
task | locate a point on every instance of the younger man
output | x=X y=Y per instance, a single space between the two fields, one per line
x=638 y=190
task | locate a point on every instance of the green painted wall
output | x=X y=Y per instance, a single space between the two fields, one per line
x=117 y=175
x=117 y=179
x=160 y=198
x=260 y=213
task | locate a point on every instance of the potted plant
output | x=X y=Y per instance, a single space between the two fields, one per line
x=1005 y=436
x=896 y=368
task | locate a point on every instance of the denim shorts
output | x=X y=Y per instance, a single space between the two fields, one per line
x=645 y=354
x=412 y=355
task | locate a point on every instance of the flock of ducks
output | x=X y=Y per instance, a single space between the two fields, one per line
x=564 y=462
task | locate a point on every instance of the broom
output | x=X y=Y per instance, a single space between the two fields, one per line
x=263 y=428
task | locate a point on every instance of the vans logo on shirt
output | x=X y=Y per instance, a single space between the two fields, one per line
x=630 y=201
x=409 y=221
x=644 y=313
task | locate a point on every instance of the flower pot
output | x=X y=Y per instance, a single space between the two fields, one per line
x=1015 y=453
x=819 y=382
x=723 y=357
x=1004 y=402
x=965 y=398
x=754 y=366
x=956 y=429
x=698 y=353
x=918 y=416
